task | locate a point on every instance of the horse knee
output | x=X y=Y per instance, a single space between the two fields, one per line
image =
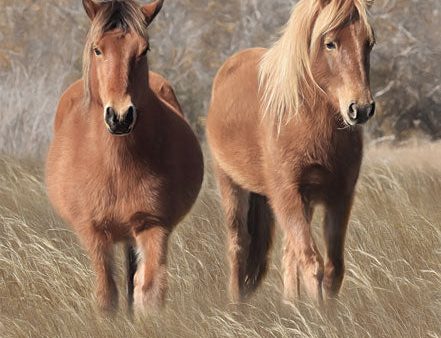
x=150 y=281
x=150 y=290
x=100 y=249
x=239 y=242
x=291 y=281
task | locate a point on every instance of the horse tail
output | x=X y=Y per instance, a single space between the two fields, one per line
x=260 y=224
x=131 y=265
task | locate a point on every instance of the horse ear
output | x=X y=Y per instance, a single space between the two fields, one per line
x=151 y=10
x=91 y=8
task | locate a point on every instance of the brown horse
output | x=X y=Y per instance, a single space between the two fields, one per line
x=124 y=165
x=284 y=132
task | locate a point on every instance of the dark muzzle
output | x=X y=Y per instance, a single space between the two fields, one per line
x=120 y=124
x=360 y=114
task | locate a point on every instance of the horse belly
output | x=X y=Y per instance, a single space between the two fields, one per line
x=243 y=166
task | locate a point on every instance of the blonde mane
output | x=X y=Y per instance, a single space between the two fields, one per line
x=113 y=14
x=285 y=77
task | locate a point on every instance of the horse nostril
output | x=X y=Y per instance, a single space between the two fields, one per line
x=119 y=124
x=353 y=111
x=371 y=110
x=111 y=117
x=130 y=115
x=109 y=112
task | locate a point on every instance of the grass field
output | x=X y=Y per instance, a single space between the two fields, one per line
x=393 y=281
x=392 y=286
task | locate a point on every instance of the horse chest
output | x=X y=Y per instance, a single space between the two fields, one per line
x=314 y=182
x=117 y=194
x=323 y=176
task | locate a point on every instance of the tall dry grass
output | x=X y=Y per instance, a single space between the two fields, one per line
x=392 y=286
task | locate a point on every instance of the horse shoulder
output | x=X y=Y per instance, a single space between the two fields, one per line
x=164 y=90
x=69 y=101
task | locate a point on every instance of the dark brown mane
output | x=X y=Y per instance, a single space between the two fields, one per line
x=124 y=15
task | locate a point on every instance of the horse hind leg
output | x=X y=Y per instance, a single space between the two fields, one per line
x=150 y=279
x=131 y=265
x=235 y=204
x=260 y=224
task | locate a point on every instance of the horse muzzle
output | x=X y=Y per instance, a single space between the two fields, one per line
x=360 y=114
x=120 y=124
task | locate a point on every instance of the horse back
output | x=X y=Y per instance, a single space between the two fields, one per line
x=165 y=92
x=71 y=102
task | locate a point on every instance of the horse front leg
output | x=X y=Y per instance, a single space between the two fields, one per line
x=100 y=248
x=301 y=257
x=151 y=276
x=335 y=226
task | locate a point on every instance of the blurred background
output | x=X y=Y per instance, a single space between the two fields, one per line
x=41 y=45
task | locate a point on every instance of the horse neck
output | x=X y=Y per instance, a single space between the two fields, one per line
x=329 y=135
x=316 y=131
x=319 y=119
x=118 y=150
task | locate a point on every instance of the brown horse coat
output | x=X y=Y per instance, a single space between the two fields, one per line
x=134 y=188
x=114 y=172
x=275 y=163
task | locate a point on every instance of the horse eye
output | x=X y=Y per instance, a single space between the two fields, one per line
x=97 y=52
x=331 y=45
x=145 y=51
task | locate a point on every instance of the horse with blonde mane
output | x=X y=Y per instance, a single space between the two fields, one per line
x=124 y=165
x=284 y=132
